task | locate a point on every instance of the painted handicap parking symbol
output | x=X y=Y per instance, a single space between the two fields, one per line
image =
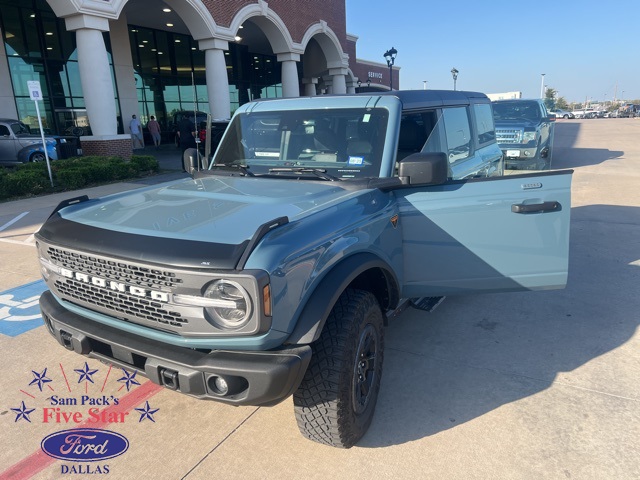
x=19 y=309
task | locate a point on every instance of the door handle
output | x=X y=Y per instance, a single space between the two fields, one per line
x=543 y=207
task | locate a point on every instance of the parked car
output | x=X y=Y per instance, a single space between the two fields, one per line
x=559 y=113
x=524 y=131
x=19 y=145
x=316 y=223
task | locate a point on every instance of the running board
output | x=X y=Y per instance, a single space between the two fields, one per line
x=428 y=304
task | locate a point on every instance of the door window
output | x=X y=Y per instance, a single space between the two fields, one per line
x=484 y=123
x=458 y=132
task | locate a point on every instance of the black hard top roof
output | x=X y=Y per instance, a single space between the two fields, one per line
x=417 y=99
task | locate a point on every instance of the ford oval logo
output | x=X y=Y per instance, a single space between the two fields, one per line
x=84 y=445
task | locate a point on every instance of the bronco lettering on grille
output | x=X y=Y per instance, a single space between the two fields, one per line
x=115 y=286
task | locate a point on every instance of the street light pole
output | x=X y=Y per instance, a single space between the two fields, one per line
x=390 y=57
x=424 y=84
x=542 y=85
x=454 y=74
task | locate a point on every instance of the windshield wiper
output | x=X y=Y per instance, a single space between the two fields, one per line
x=318 y=172
x=236 y=166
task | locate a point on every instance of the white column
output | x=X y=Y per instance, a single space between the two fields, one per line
x=339 y=80
x=290 y=83
x=310 y=86
x=328 y=84
x=95 y=73
x=217 y=78
x=124 y=71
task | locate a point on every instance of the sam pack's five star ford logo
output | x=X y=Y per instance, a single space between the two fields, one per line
x=84 y=398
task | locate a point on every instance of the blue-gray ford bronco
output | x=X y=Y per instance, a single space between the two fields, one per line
x=273 y=271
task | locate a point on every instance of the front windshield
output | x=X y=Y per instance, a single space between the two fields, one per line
x=519 y=110
x=344 y=143
x=20 y=128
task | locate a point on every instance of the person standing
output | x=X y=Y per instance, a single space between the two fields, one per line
x=154 y=130
x=136 y=132
x=187 y=134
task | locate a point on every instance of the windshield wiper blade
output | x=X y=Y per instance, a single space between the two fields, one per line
x=318 y=172
x=243 y=168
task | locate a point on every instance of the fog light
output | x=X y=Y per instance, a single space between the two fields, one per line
x=220 y=385
x=526 y=153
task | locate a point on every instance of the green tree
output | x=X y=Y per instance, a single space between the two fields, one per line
x=550 y=98
x=562 y=104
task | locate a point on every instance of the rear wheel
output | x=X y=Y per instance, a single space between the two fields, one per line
x=335 y=402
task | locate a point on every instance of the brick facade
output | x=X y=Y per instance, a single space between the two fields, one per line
x=297 y=15
x=119 y=147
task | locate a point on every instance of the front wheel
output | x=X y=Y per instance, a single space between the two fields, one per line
x=335 y=402
x=37 y=157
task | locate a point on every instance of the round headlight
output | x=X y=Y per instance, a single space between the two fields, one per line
x=235 y=309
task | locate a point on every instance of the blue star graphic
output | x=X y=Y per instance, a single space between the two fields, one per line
x=147 y=412
x=85 y=373
x=39 y=378
x=23 y=412
x=129 y=379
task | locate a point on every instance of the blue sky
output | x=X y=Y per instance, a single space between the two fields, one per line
x=584 y=47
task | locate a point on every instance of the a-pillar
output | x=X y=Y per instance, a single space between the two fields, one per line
x=217 y=78
x=339 y=80
x=290 y=82
x=310 y=86
x=97 y=88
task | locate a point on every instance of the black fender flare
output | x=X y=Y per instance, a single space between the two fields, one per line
x=317 y=309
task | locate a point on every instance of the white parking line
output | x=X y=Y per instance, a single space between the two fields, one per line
x=11 y=222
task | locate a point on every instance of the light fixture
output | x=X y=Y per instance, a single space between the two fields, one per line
x=169 y=24
x=154 y=49
x=390 y=57
x=238 y=38
x=177 y=41
x=454 y=74
x=49 y=33
x=145 y=41
x=33 y=15
x=159 y=53
x=241 y=26
x=193 y=48
x=141 y=46
x=134 y=30
x=49 y=48
x=166 y=10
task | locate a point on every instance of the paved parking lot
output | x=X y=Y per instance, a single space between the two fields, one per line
x=505 y=386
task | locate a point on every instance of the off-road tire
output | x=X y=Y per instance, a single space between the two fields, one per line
x=335 y=402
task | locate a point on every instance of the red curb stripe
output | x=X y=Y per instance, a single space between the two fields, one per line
x=38 y=460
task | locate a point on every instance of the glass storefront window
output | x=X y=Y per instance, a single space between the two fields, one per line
x=39 y=47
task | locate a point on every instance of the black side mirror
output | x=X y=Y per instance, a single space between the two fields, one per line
x=424 y=169
x=190 y=160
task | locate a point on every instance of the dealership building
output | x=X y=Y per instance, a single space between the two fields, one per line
x=101 y=61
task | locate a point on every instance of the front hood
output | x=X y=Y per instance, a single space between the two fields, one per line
x=216 y=215
x=511 y=124
x=26 y=140
x=221 y=209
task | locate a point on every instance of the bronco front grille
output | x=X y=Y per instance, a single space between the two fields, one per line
x=513 y=135
x=113 y=270
x=125 y=305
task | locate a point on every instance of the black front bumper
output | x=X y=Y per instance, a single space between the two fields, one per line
x=253 y=378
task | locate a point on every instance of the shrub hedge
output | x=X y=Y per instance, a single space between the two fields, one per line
x=71 y=174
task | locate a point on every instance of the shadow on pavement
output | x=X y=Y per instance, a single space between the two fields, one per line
x=475 y=354
x=566 y=156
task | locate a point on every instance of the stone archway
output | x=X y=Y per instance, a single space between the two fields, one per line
x=325 y=63
x=279 y=38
